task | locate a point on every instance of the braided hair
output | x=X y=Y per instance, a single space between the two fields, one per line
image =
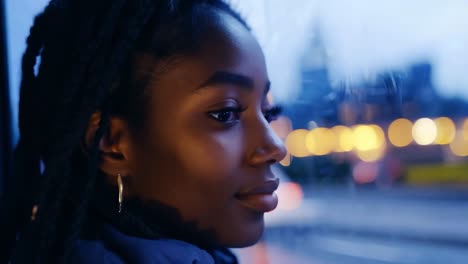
x=80 y=60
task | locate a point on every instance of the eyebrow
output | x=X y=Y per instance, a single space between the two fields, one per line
x=224 y=77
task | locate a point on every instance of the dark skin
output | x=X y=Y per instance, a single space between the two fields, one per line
x=195 y=153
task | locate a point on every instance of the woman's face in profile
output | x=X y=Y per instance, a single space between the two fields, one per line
x=207 y=147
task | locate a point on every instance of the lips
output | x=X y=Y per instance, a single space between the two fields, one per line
x=260 y=198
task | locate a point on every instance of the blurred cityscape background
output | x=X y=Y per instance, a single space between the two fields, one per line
x=376 y=126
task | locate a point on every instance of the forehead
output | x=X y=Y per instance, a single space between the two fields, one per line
x=224 y=45
x=227 y=42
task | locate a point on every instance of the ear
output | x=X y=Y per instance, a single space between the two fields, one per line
x=114 y=146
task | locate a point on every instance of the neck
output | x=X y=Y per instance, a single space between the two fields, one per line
x=147 y=219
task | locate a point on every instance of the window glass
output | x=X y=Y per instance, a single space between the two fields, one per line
x=19 y=17
x=376 y=127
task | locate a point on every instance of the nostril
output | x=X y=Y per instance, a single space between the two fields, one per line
x=265 y=156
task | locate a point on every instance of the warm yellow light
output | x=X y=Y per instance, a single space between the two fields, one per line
x=320 y=141
x=365 y=138
x=445 y=130
x=376 y=146
x=459 y=145
x=380 y=135
x=371 y=155
x=424 y=131
x=286 y=161
x=295 y=143
x=465 y=129
x=344 y=137
x=399 y=132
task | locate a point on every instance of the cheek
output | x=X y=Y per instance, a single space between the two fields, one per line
x=198 y=163
x=210 y=153
x=209 y=170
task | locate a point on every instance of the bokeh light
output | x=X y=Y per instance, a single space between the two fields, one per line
x=344 y=136
x=445 y=130
x=465 y=129
x=399 y=132
x=371 y=155
x=321 y=141
x=295 y=143
x=290 y=196
x=365 y=172
x=366 y=137
x=379 y=134
x=370 y=142
x=459 y=145
x=424 y=131
x=286 y=161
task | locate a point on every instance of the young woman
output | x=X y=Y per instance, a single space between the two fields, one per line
x=144 y=135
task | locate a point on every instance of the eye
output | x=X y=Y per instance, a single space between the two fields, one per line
x=272 y=113
x=227 y=115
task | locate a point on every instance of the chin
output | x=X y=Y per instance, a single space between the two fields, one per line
x=248 y=236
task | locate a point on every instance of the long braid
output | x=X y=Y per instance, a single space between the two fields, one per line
x=55 y=148
x=116 y=61
x=48 y=227
x=54 y=167
x=57 y=198
x=76 y=220
x=26 y=155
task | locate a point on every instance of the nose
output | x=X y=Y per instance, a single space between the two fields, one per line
x=267 y=147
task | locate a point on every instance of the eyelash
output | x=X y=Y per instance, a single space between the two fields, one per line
x=228 y=110
x=271 y=114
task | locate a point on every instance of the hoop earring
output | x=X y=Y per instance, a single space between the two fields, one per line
x=120 y=184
